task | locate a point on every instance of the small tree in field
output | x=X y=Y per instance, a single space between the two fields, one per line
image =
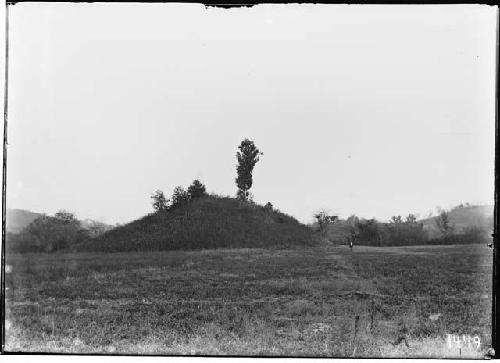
x=247 y=157
x=444 y=224
x=160 y=203
x=324 y=220
x=196 y=190
x=353 y=222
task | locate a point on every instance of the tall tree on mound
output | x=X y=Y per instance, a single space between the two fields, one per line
x=196 y=190
x=247 y=157
x=324 y=220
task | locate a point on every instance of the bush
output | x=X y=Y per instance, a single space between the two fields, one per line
x=48 y=234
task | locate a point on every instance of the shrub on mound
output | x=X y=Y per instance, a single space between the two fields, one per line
x=205 y=223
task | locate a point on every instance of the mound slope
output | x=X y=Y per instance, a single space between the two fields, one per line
x=205 y=223
x=462 y=218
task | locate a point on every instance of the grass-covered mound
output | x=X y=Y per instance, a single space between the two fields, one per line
x=204 y=223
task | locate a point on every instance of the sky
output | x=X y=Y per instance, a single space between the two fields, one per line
x=373 y=110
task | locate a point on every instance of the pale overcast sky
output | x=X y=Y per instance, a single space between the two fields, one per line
x=373 y=110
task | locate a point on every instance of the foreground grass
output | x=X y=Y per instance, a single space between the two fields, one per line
x=325 y=301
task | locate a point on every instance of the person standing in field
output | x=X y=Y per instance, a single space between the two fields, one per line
x=353 y=222
x=352 y=237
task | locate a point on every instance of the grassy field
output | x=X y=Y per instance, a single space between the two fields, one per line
x=322 y=301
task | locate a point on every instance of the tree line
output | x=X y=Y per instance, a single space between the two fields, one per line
x=401 y=231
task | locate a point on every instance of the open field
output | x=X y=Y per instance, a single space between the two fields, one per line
x=322 y=301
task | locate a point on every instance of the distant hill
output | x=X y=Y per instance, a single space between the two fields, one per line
x=208 y=222
x=18 y=219
x=463 y=217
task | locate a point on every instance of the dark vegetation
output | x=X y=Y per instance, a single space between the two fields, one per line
x=397 y=233
x=203 y=223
